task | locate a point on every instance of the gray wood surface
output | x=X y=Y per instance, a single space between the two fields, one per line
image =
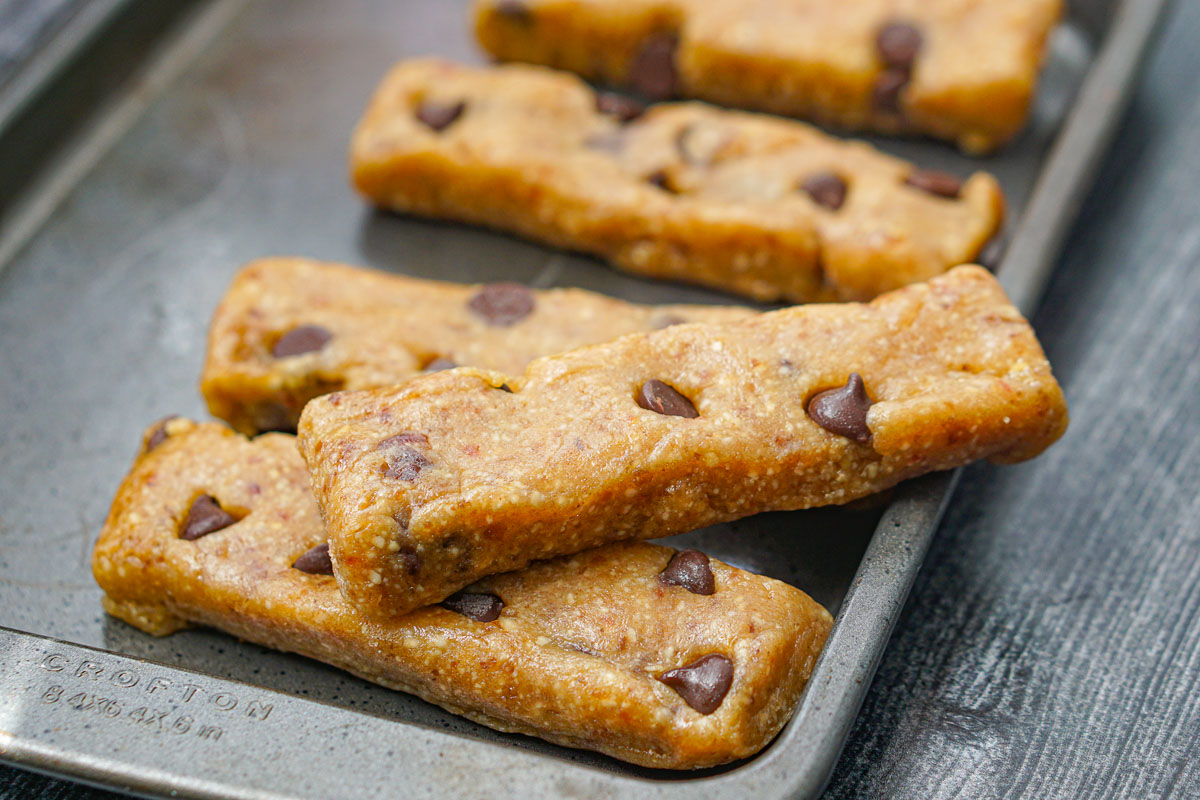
x=1051 y=647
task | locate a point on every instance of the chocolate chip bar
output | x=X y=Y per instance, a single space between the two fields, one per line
x=290 y=329
x=427 y=486
x=659 y=658
x=747 y=203
x=963 y=70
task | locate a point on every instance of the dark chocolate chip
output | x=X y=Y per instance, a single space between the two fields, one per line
x=502 y=304
x=992 y=254
x=402 y=438
x=653 y=72
x=941 y=184
x=898 y=44
x=843 y=410
x=661 y=180
x=885 y=95
x=440 y=116
x=616 y=105
x=479 y=607
x=826 y=189
x=439 y=364
x=659 y=397
x=405 y=464
x=514 y=11
x=159 y=434
x=702 y=684
x=691 y=570
x=204 y=517
x=504 y=387
x=315 y=561
x=301 y=340
x=409 y=559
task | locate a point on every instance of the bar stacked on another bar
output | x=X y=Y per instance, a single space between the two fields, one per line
x=664 y=659
x=428 y=486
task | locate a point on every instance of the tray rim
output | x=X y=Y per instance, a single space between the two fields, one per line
x=53 y=56
x=897 y=548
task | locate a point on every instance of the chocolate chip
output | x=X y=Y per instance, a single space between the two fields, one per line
x=661 y=180
x=301 y=340
x=702 y=684
x=439 y=364
x=826 y=189
x=440 y=116
x=479 y=607
x=514 y=11
x=316 y=561
x=409 y=559
x=204 y=517
x=502 y=304
x=843 y=410
x=898 y=44
x=885 y=95
x=159 y=434
x=504 y=387
x=659 y=397
x=941 y=184
x=405 y=464
x=653 y=72
x=616 y=105
x=691 y=570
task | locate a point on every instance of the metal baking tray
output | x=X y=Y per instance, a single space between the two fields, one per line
x=228 y=143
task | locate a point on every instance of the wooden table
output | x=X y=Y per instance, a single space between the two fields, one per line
x=1051 y=646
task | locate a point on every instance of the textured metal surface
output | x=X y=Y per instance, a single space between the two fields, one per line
x=38 y=38
x=26 y=25
x=106 y=309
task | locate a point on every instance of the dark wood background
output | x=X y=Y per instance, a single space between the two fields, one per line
x=1051 y=646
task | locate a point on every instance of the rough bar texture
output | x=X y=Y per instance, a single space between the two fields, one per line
x=575 y=655
x=963 y=70
x=428 y=486
x=685 y=191
x=383 y=329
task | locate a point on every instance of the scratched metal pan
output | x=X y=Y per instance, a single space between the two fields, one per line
x=228 y=143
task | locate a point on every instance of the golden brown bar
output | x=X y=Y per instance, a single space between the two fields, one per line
x=291 y=329
x=963 y=70
x=427 y=486
x=764 y=207
x=611 y=650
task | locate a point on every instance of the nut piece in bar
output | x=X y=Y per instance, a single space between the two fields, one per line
x=802 y=407
x=592 y=650
x=764 y=207
x=962 y=70
x=290 y=329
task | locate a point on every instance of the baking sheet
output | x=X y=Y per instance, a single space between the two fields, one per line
x=103 y=315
